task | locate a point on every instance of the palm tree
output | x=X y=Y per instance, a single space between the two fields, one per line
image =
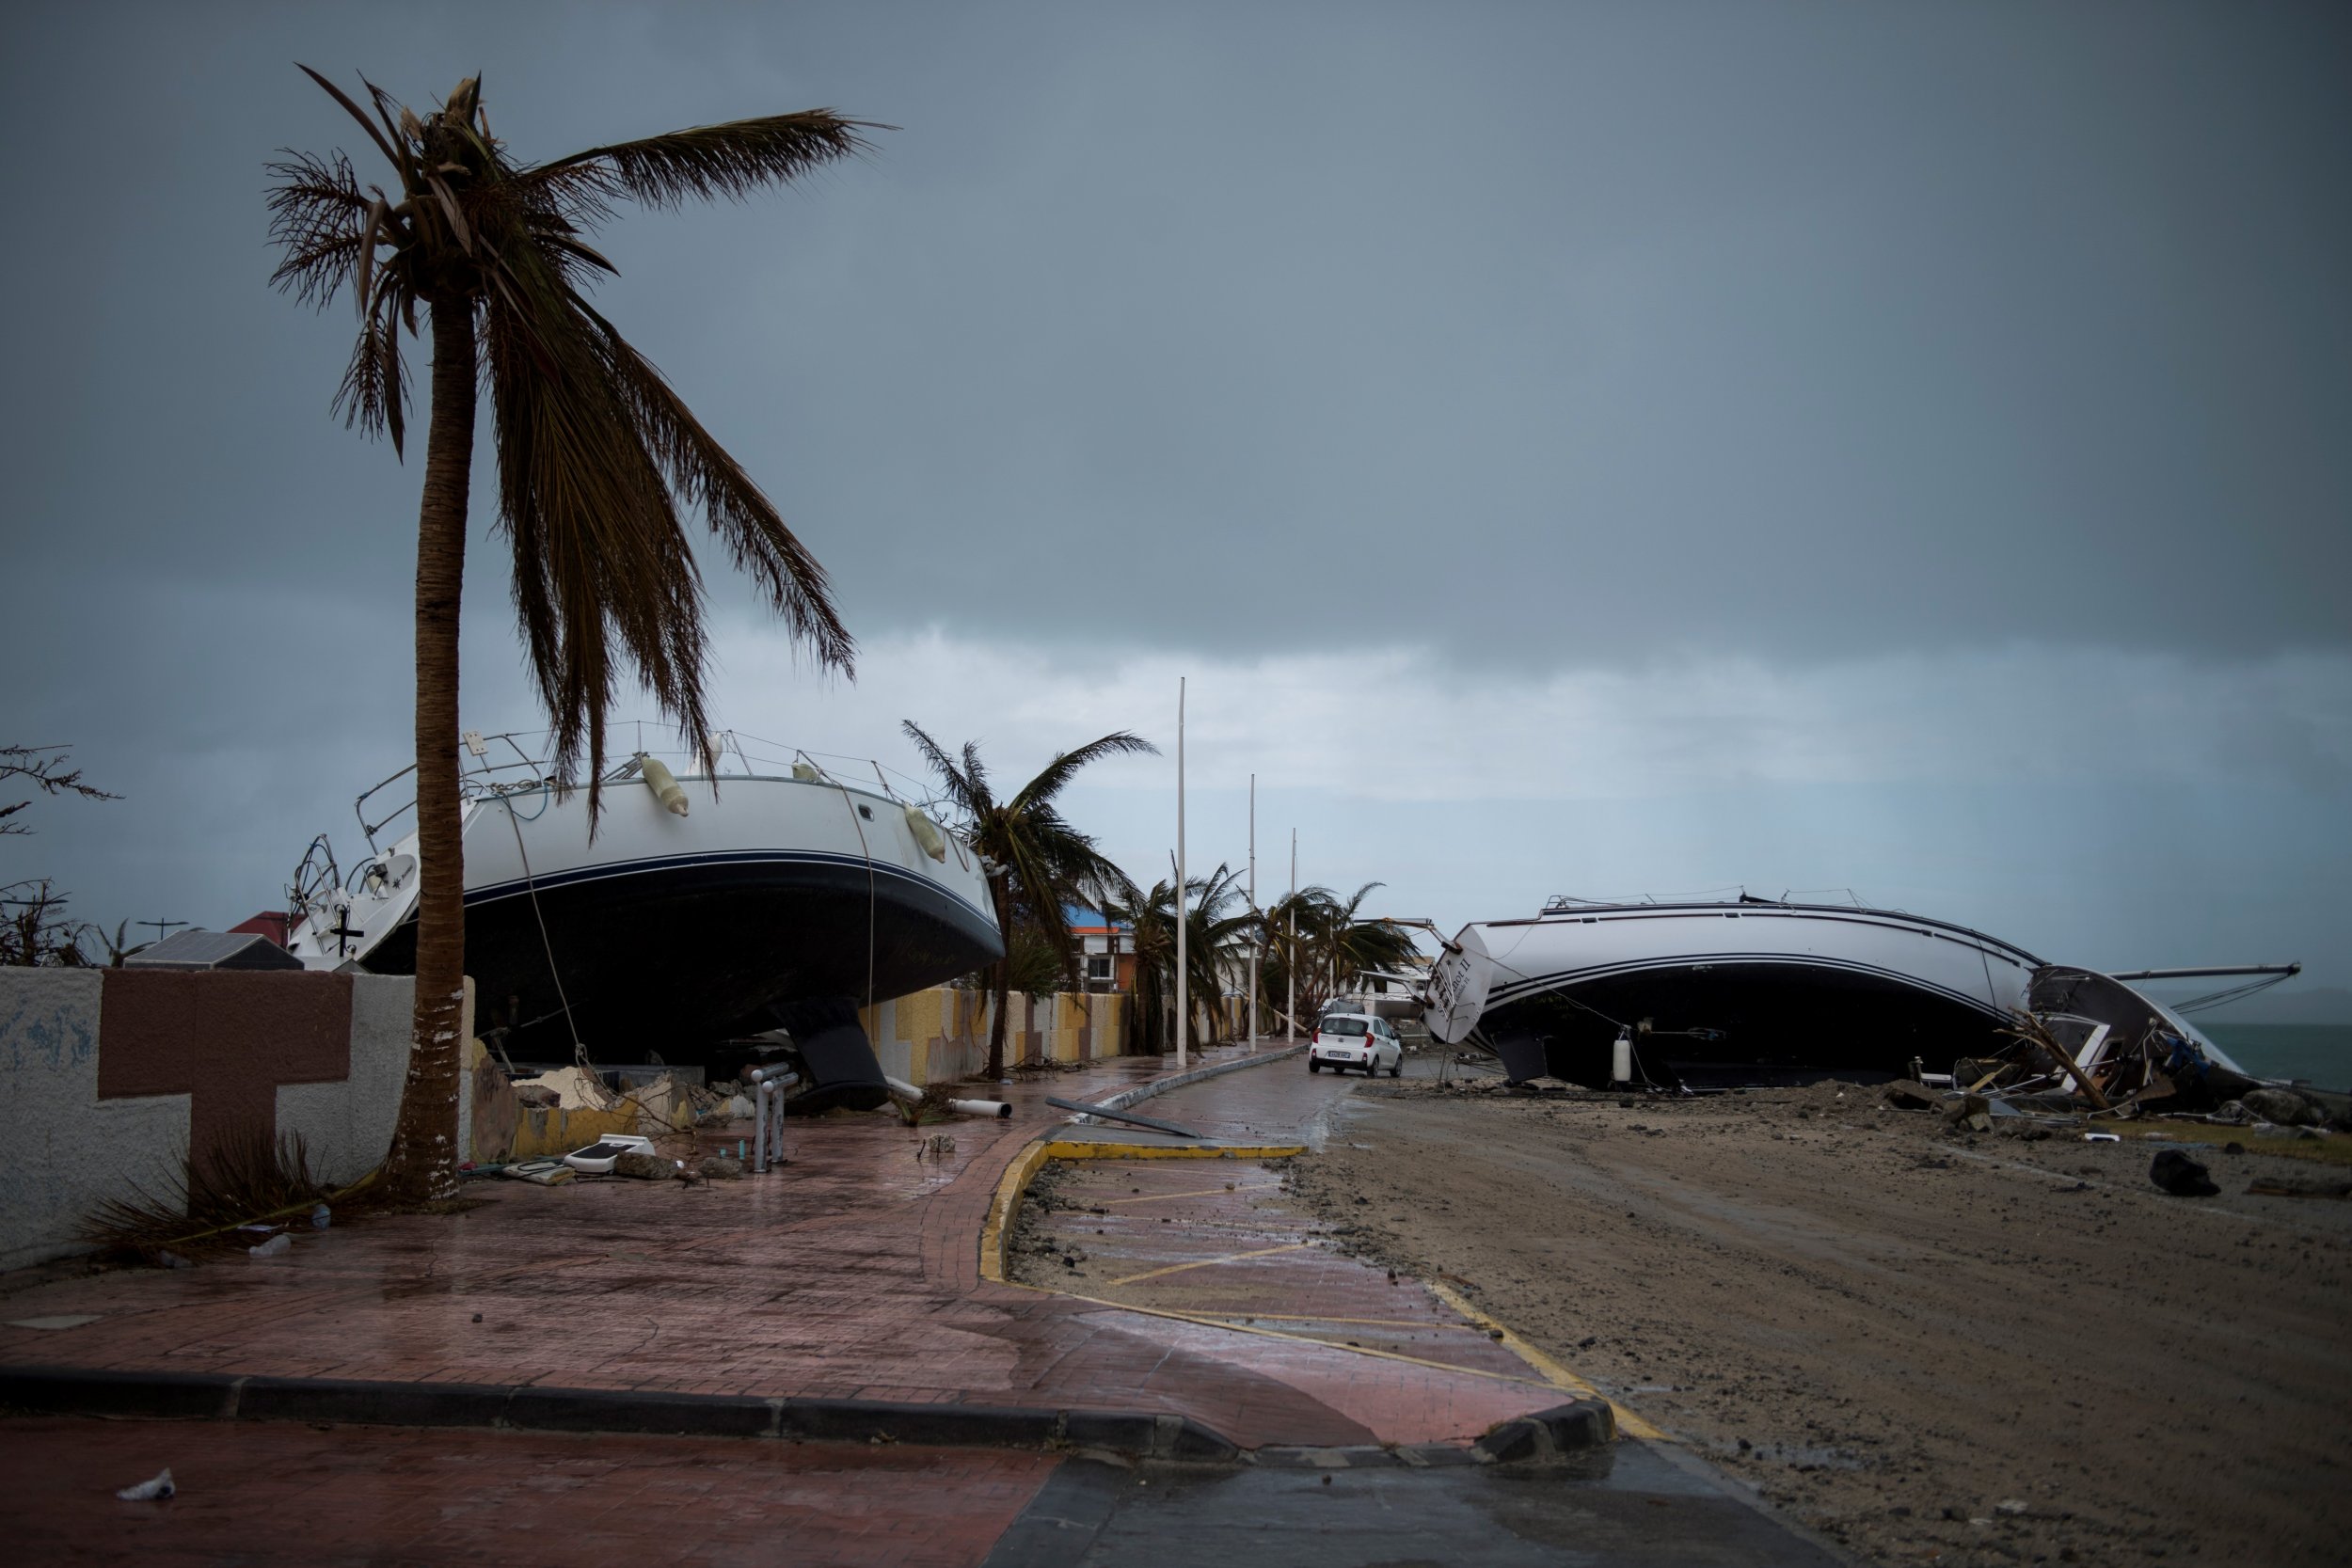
x=1296 y=928
x=1215 y=931
x=596 y=456
x=1217 y=925
x=1038 y=862
x=1334 y=944
x=1150 y=922
x=1356 y=945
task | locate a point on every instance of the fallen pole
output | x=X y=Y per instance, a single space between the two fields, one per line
x=908 y=1095
x=1121 y=1115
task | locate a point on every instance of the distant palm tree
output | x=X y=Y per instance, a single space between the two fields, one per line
x=1039 y=861
x=1218 y=925
x=1150 y=922
x=1296 y=928
x=1334 y=944
x=1356 y=945
x=596 y=454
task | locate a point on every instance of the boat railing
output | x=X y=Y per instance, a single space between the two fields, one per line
x=517 y=761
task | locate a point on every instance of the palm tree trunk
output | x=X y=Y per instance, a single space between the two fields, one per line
x=1004 y=980
x=423 y=1164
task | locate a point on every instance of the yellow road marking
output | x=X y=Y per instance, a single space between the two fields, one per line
x=1031 y=1160
x=1204 y=1262
x=1204 y=1192
x=1558 y=1375
x=1374 y=1323
x=1017 y=1178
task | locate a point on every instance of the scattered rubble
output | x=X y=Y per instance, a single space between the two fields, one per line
x=643 y=1167
x=2181 y=1176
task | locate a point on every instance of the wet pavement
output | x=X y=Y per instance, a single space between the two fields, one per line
x=855 y=1273
x=1212 y=1246
x=285 y=1495
x=1636 y=1506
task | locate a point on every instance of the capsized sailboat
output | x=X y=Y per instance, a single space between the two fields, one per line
x=704 y=898
x=1755 y=991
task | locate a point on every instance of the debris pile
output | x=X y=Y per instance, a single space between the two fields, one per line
x=2066 y=1065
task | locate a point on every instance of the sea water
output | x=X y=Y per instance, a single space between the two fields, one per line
x=2319 y=1054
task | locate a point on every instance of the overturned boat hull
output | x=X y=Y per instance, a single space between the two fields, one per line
x=1714 y=994
x=664 y=932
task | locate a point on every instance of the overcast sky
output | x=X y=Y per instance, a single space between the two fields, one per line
x=1568 y=448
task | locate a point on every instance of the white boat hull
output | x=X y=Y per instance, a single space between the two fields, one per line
x=1721 y=992
x=663 y=930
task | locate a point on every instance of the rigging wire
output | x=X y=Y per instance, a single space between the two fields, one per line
x=872 y=896
x=579 y=1052
x=2228 y=994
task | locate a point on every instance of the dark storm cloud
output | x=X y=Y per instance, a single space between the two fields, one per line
x=1591 y=342
x=1775 y=327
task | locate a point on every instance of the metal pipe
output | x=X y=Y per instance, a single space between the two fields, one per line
x=767 y=1086
x=995 y=1109
x=2203 y=973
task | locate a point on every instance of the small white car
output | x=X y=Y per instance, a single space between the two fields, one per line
x=1343 y=1040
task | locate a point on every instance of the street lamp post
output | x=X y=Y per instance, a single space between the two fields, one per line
x=1183 y=1000
x=1290 y=969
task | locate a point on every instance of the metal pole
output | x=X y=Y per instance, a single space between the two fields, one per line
x=1183 y=1000
x=1290 y=969
x=1254 y=907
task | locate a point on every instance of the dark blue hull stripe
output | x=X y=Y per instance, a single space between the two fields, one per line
x=520 y=886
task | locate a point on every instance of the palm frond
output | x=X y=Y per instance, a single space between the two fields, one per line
x=398 y=159
x=707 y=161
x=373 y=397
x=251 y=1178
x=956 y=782
x=703 y=474
x=598 y=557
x=1057 y=773
x=318 y=218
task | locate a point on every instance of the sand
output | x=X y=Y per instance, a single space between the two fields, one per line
x=1930 y=1347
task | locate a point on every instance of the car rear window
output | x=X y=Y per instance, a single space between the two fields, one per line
x=1343 y=1025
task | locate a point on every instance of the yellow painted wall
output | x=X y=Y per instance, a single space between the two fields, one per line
x=941 y=1034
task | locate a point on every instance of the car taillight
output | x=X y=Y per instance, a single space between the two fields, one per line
x=1318 y=1038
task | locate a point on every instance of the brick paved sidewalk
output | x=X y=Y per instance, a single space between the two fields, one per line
x=853 y=1273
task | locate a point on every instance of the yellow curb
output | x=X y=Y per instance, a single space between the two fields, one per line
x=1558 y=1375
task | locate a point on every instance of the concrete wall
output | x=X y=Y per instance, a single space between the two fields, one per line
x=941 y=1034
x=116 y=1077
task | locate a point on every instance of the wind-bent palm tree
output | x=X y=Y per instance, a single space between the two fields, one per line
x=1150 y=922
x=596 y=455
x=1039 y=860
x=1334 y=944
x=1215 y=931
x=1358 y=946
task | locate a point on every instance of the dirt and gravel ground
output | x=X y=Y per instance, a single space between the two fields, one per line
x=1973 y=1348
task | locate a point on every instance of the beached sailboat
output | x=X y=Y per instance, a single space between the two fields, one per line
x=701 y=901
x=1705 y=992
x=1755 y=992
